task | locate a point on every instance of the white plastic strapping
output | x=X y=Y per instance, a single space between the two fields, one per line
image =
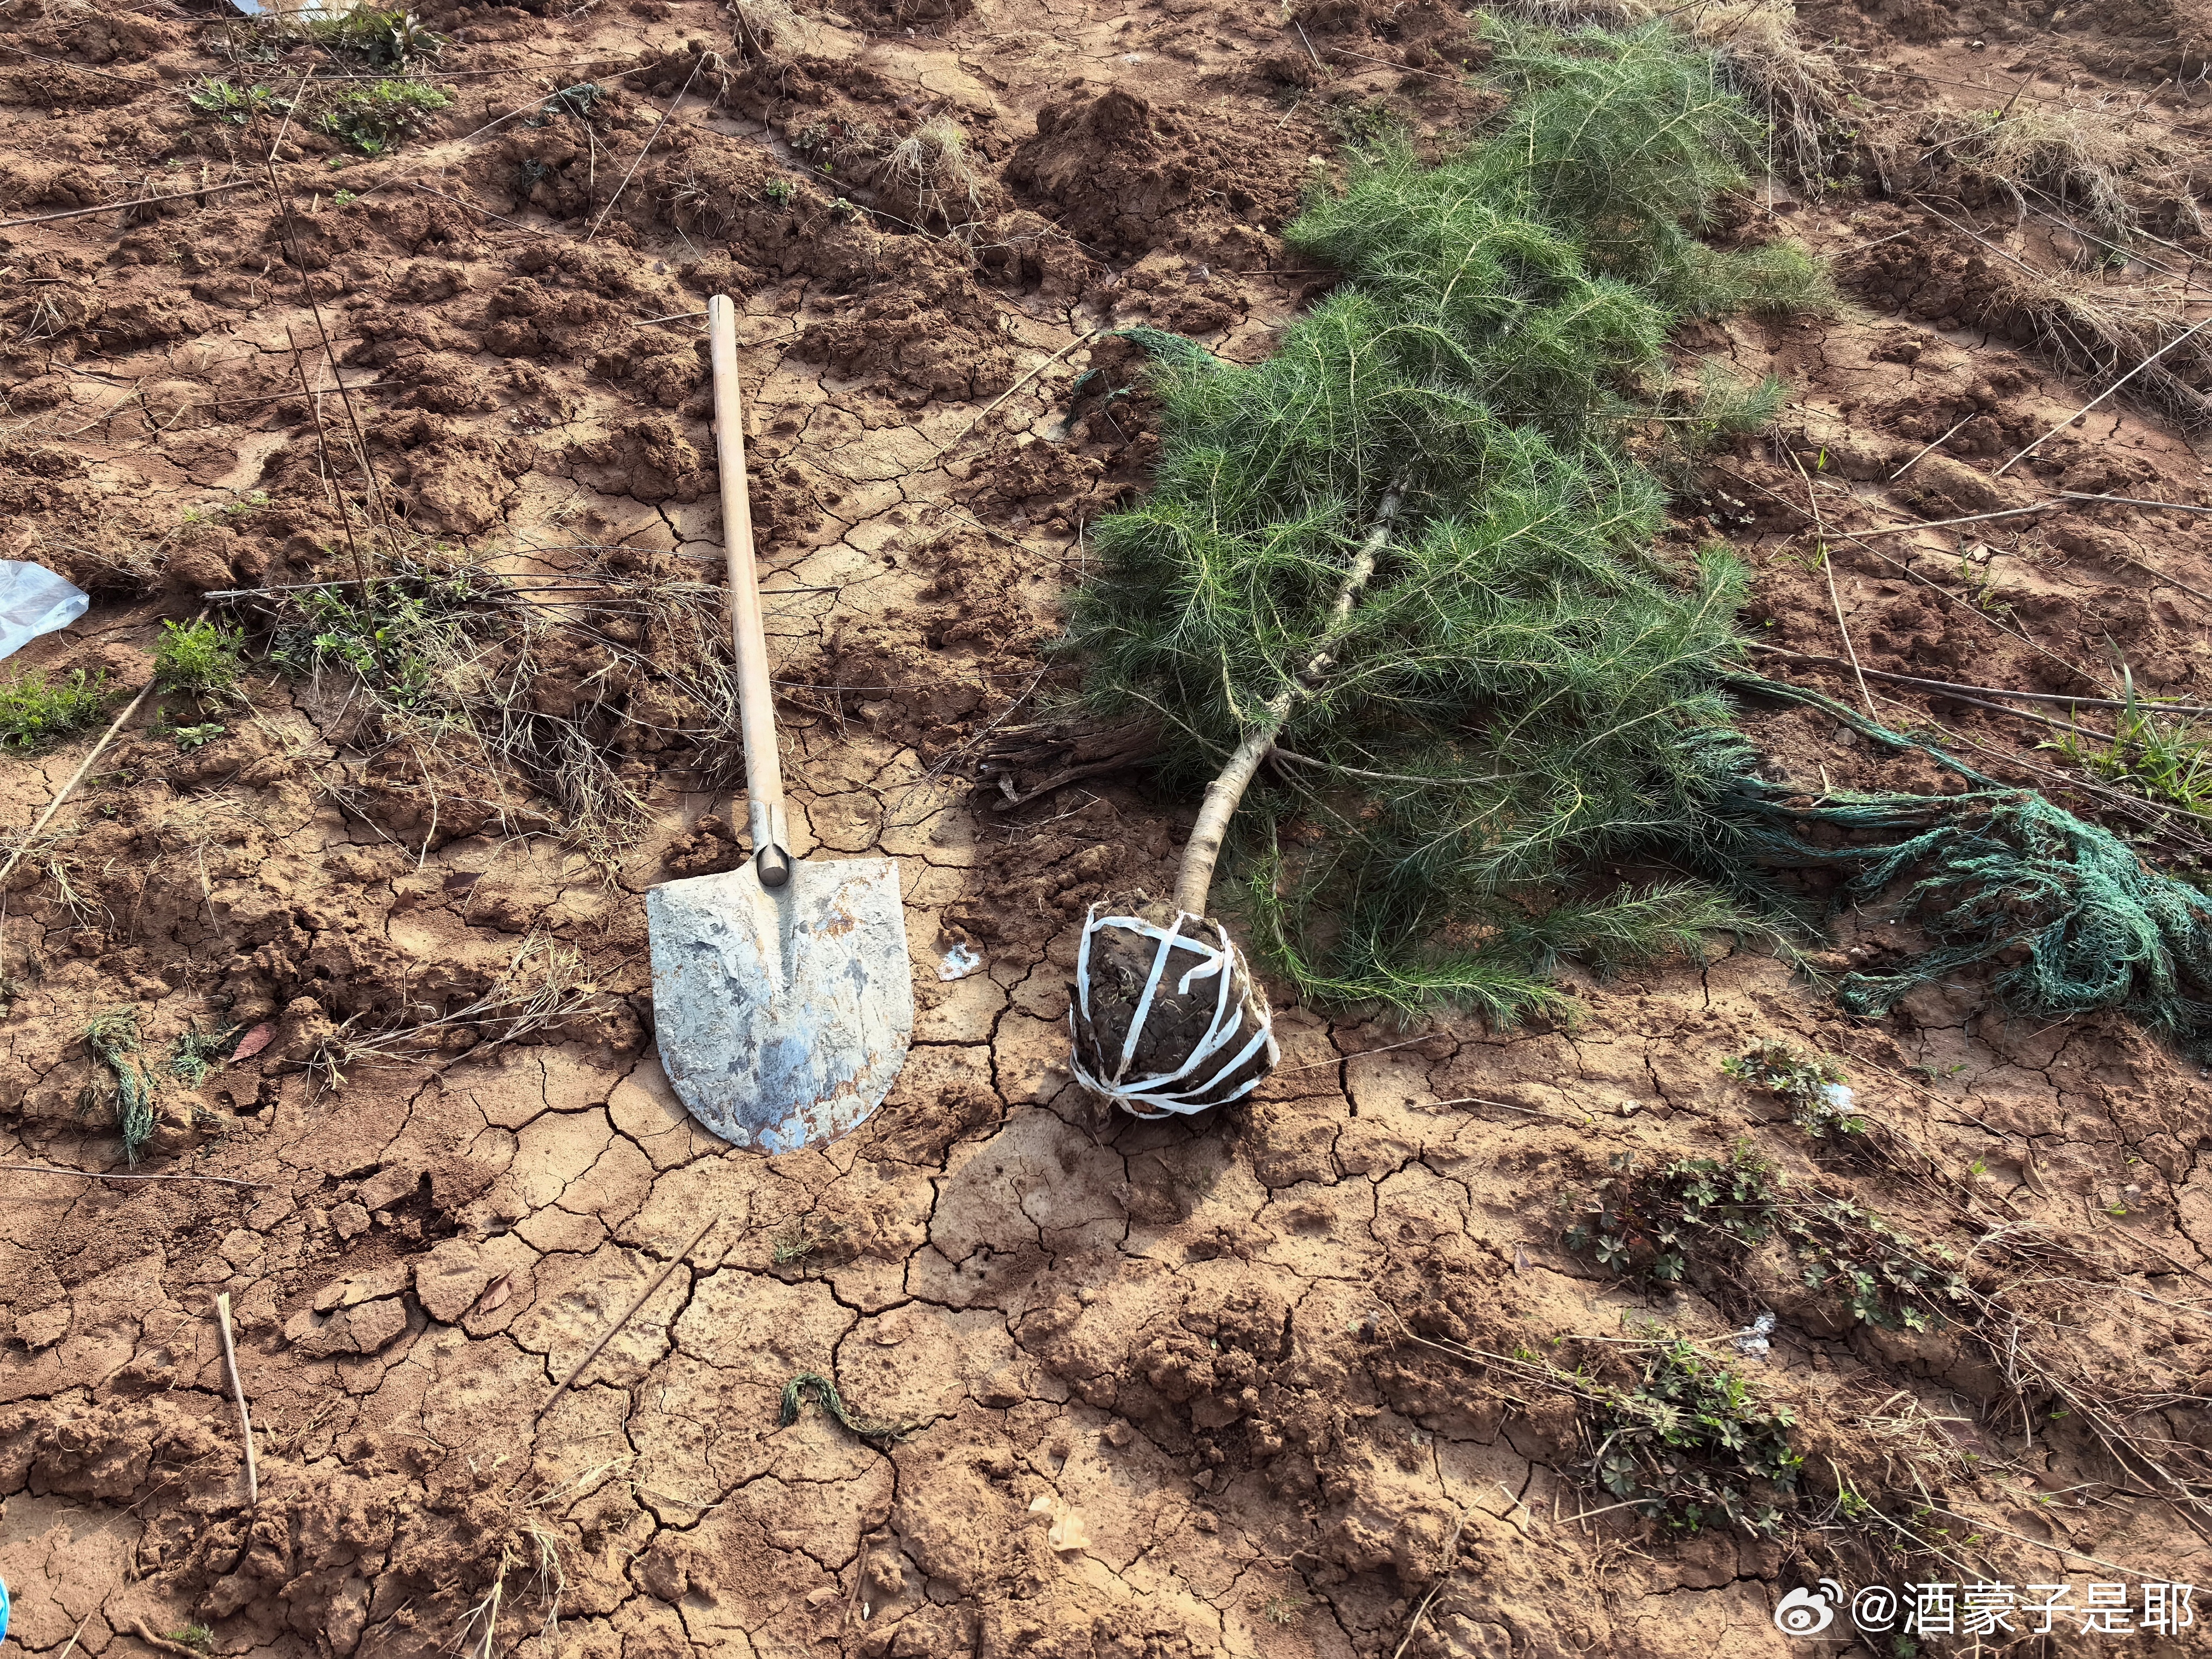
x=1155 y=1095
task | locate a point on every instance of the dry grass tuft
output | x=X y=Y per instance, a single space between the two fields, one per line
x=762 y=26
x=2075 y=156
x=544 y=984
x=931 y=165
x=2101 y=333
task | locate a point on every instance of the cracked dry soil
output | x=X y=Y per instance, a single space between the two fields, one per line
x=1162 y=1402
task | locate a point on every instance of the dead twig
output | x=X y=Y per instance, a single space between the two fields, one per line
x=1945 y=524
x=1923 y=454
x=323 y=451
x=950 y=443
x=647 y=144
x=315 y=308
x=628 y=1313
x=1828 y=569
x=2148 y=705
x=2181 y=339
x=161 y=1643
x=112 y=207
x=1451 y=1560
x=238 y=1397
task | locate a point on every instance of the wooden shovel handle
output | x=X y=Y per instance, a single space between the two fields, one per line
x=755 y=700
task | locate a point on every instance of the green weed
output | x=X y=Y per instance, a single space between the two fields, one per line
x=779 y=192
x=234 y=104
x=197 y=1053
x=1812 y=1085
x=580 y=101
x=388 y=39
x=1366 y=124
x=1285 y=1609
x=189 y=738
x=1714 y=1212
x=113 y=1040
x=802 y=1238
x=199 y=660
x=399 y=641
x=2161 y=758
x=198 y=1637
x=35 y=711
x=374 y=118
x=1694 y=1443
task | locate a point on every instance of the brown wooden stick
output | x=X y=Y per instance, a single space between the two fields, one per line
x=101 y=1175
x=628 y=1313
x=238 y=1395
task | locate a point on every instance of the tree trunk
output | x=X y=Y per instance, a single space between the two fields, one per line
x=1223 y=794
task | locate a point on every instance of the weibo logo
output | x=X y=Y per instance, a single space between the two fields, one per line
x=1807 y=1613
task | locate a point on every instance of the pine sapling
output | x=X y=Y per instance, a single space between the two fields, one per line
x=1156 y=1041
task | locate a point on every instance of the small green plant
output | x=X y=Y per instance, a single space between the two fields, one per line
x=197 y=1053
x=252 y=501
x=234 y=104
x=1814 y=1087
x=1285 y=1609
x=2161 y=758
x=35 y=711
x=388 y=39
x=1714 y=1212
x=196 y=1636
x=189 y=738
x=200 y=660
x=1365 y=125
x=374 y=118
x=346 y=198
x=1979 y=578
x=112 y=1039
x=400 y=642
x=1695 y=1443
x=779 y=192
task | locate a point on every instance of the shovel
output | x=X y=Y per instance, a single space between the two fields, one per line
x=783 y=998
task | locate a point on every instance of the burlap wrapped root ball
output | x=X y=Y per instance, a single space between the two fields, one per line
x=1164 y=1015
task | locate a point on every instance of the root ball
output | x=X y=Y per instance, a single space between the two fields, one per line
x=1164 y=1014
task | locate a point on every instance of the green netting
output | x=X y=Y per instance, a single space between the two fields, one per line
x=2074 y=919
x=1521 y=703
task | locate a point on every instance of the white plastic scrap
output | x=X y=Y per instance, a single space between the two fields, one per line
x=1838 y=1095
x=33 y=600
x=1752 y=1341
x=1152 y=1096
x=959 y=961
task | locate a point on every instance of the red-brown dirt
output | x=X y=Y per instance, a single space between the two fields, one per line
x=1161 y=1379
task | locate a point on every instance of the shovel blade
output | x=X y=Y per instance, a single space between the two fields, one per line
x=782 y=1014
